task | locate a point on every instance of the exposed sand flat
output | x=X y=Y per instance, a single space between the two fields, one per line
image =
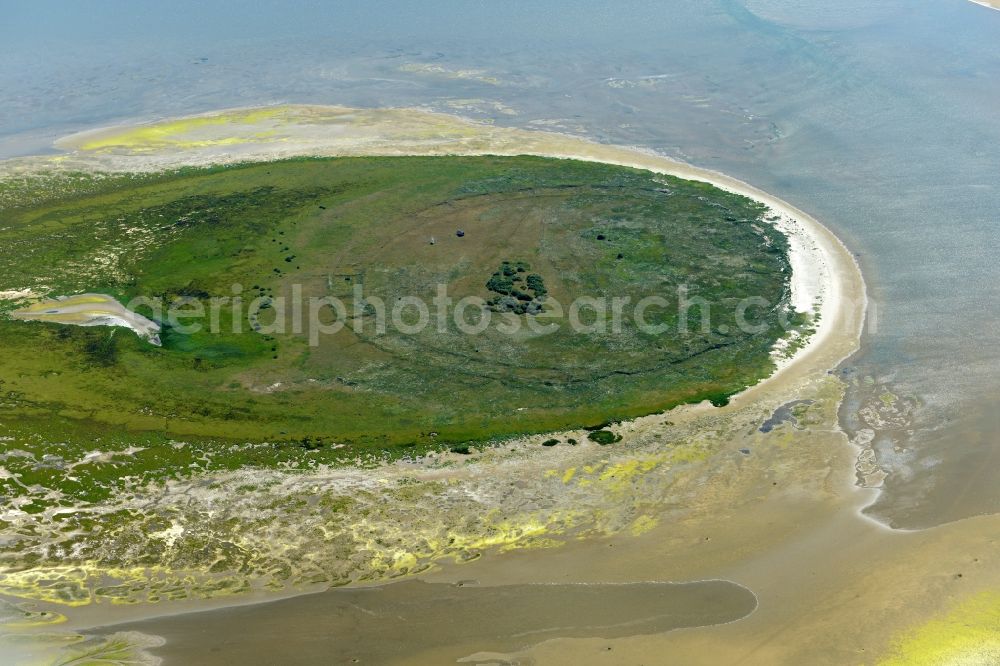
x=679 y=500
x=992 y=4
x=376 y=619
x=90 y=310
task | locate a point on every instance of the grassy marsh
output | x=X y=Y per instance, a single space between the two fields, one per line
x=326 y=226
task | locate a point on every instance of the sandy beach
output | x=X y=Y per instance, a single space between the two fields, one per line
x=700 y=493
x=991 y=4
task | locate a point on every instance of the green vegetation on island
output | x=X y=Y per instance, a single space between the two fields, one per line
x=537 y=233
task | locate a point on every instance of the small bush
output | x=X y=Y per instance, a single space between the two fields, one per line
x=500 y=284
x=604 y=437
x=310 y=444
x=536 y=284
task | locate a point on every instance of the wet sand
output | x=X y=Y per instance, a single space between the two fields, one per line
x=404 y=621
x=833 y=588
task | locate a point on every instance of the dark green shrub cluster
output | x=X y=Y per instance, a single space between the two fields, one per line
x=312 y=443
x=514 y=292
x=604 y=437
x=537 y=285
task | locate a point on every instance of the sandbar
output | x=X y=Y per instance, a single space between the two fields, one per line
x=90 y=310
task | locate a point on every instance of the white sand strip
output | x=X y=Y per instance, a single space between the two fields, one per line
x=989 y=4
x=90 y=310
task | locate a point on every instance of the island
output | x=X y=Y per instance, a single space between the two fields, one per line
x=310 y=421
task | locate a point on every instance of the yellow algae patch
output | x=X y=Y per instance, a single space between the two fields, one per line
x=92 y=583
x=968 y=634
x=621 y=477
x=404 y=561
x=643 y=524
x=61 y=585
x=511 y=534
x=617 y=477
x=181 y=133
x=628 y=470
x=505 y=535
x=80 y=299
